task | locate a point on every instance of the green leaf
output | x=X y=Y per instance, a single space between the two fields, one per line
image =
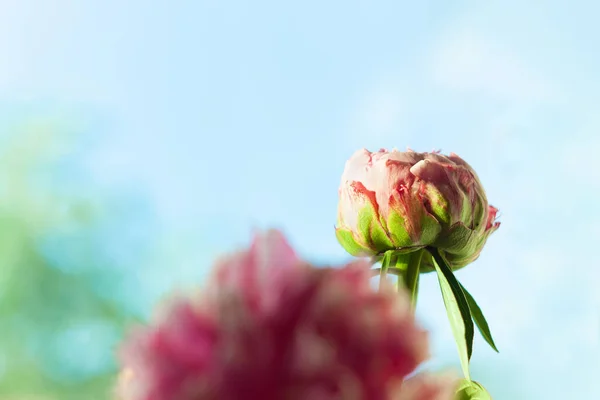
x=471 y=390
x=457 y=309
x=479 y=319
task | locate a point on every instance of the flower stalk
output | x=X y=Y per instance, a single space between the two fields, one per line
x=408 y=266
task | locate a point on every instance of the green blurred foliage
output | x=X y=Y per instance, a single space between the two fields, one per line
x=58 y=331
x=471 y=390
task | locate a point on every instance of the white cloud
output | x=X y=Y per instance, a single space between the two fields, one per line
x=465 y=60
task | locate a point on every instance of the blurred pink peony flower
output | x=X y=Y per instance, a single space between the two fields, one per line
x=408 y=200
x=269 y=326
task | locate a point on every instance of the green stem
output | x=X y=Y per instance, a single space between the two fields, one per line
x=393 y=271
x=408 y=265
x=385 y=264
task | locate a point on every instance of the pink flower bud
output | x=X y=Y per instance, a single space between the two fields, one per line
x=407 y=201
x=270 y=327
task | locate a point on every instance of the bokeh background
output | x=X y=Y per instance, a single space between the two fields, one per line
x=141 y=139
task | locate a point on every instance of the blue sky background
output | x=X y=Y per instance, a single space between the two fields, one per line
x=226 y=116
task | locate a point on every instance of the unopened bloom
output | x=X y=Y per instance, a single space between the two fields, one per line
x=270 y=327
x=407 y=200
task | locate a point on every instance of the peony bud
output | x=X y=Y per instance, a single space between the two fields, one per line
x=406 y=201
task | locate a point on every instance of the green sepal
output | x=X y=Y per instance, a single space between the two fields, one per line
x=438 y=205
x=466 y=210
x=371 y=229
x=346 y=239
x=430 y=229
x=480 y=210
x=457 y=309
x=397 y=228
x=458 y=239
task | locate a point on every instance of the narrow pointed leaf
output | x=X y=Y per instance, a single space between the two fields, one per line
x=479 y=319
x=457 y=309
